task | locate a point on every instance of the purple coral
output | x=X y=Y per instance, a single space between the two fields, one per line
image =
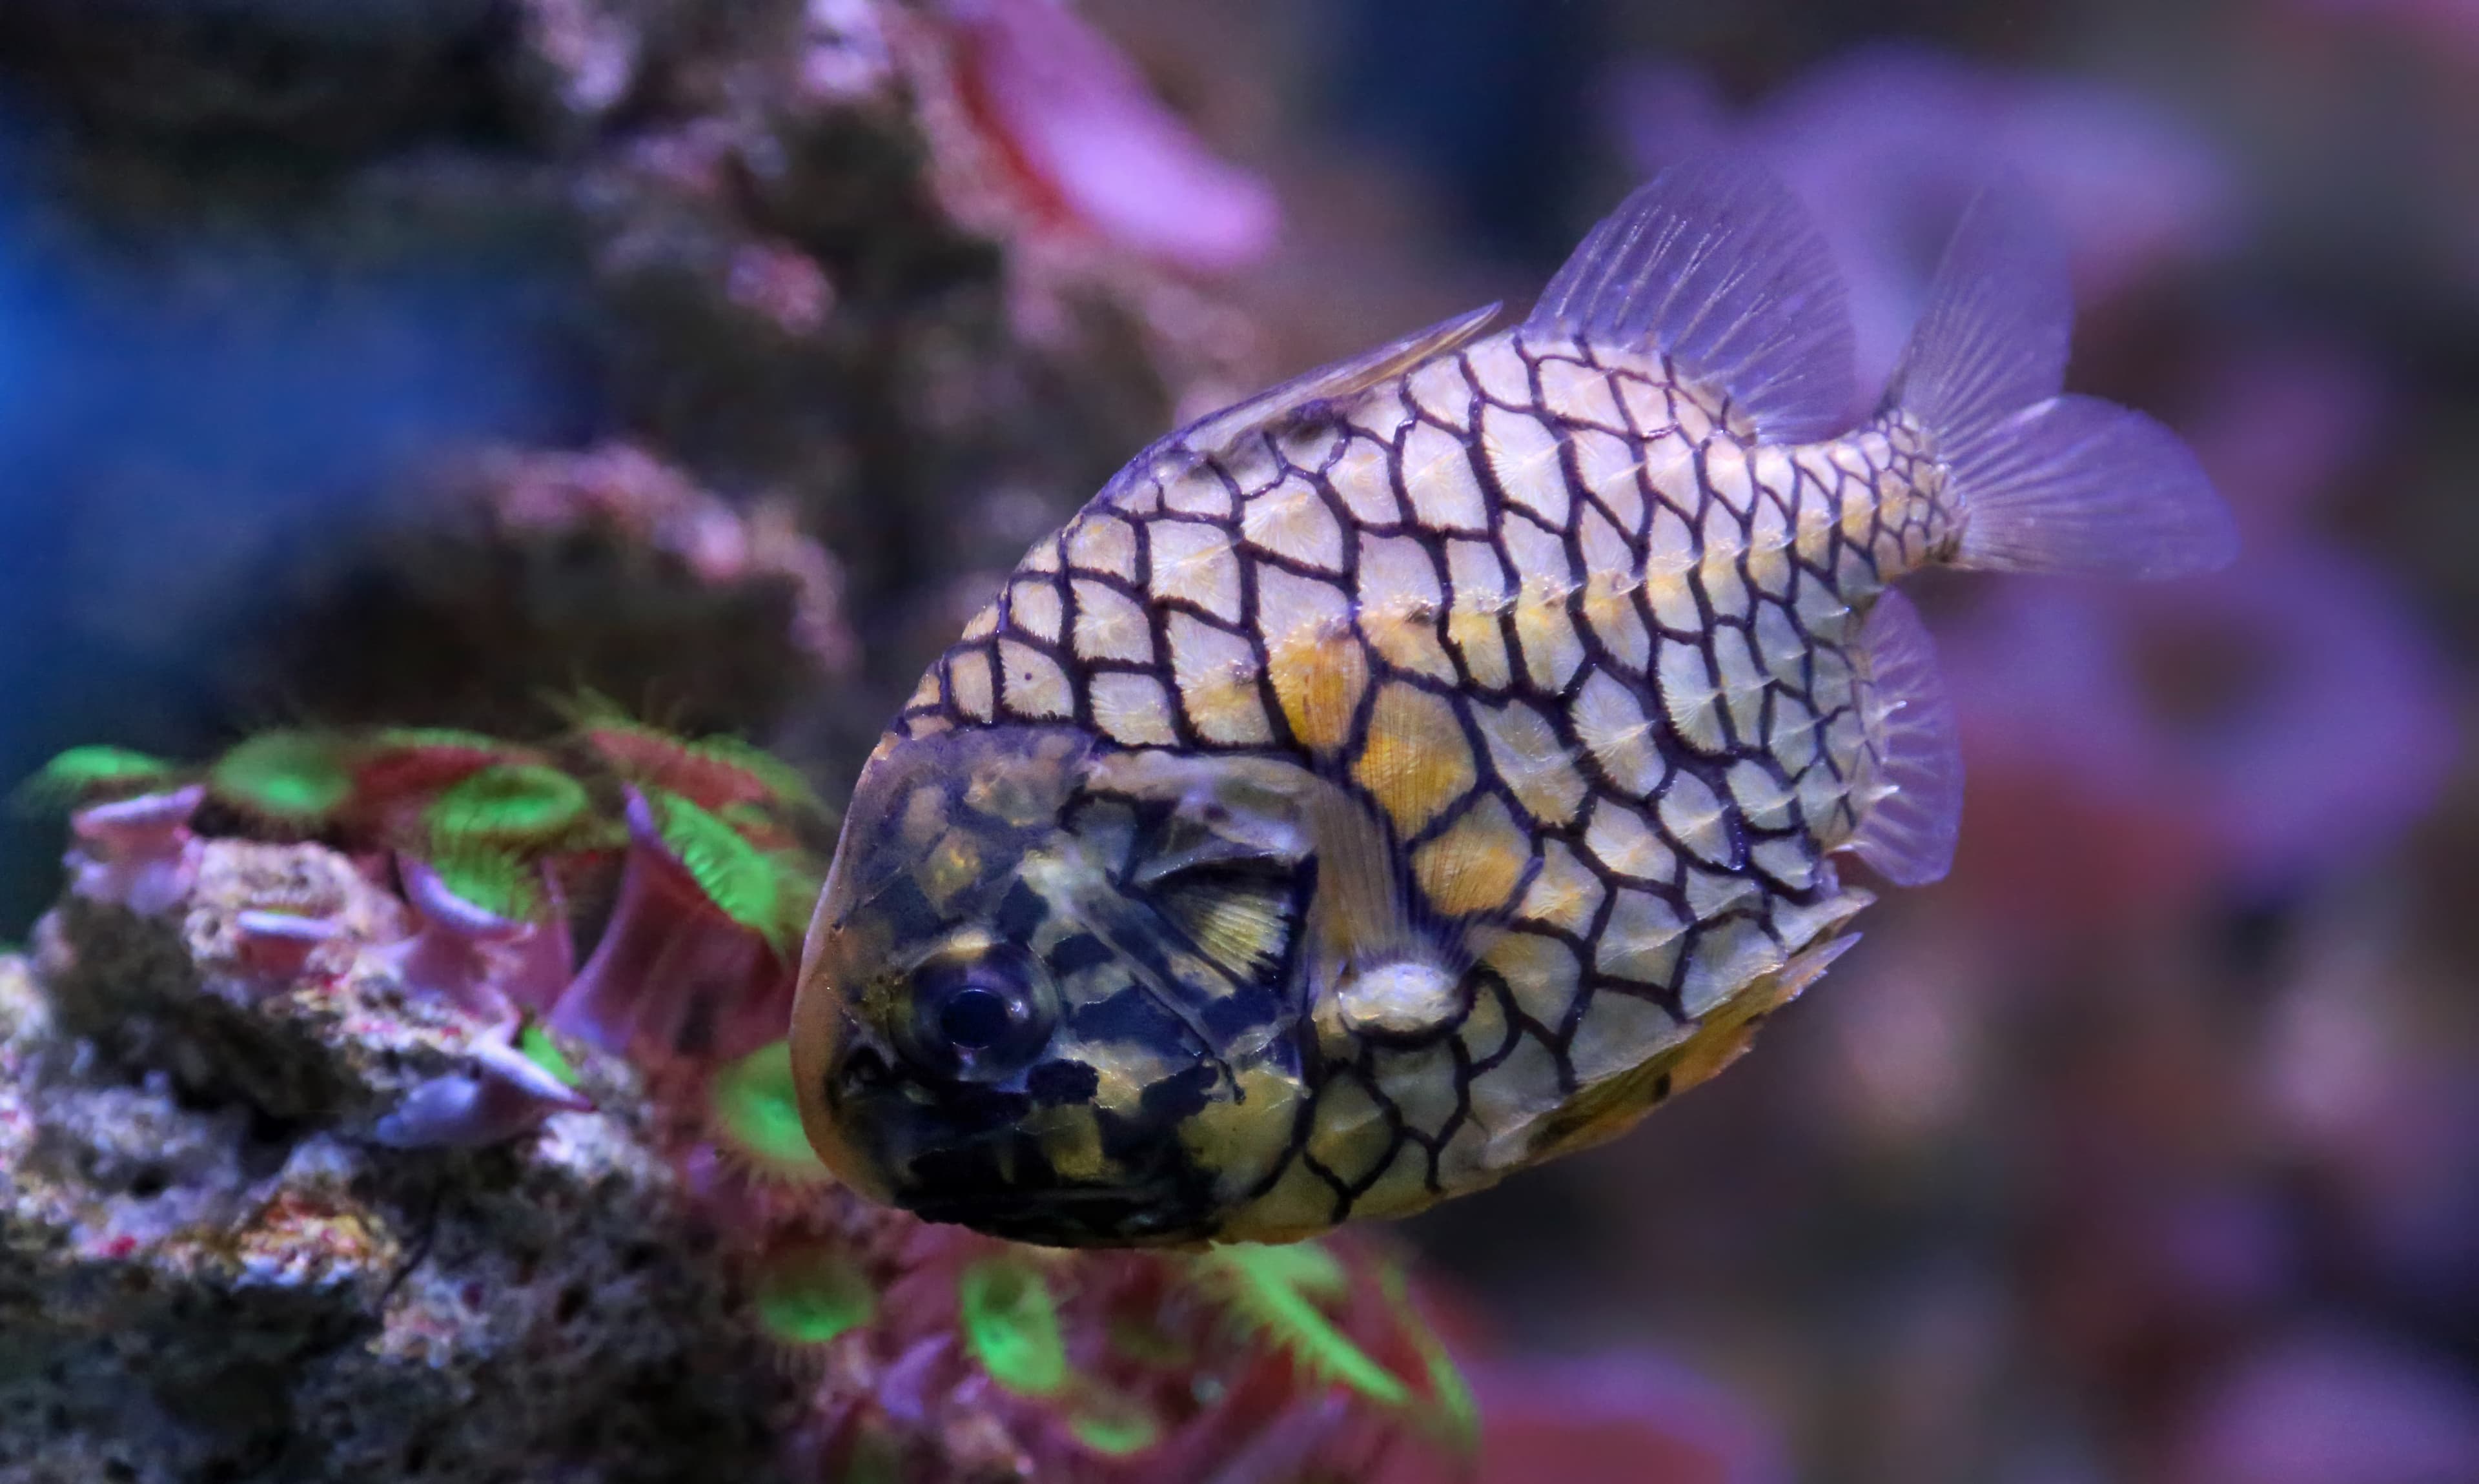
x=276 y=946
x=504 y=1094
x=475 y=958
x=138 y=852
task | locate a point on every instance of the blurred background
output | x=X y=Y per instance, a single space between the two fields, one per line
x=421 y=360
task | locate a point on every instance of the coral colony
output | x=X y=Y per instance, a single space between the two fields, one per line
x=918 y=1350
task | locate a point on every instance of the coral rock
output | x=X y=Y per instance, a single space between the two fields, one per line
x=209 y=1267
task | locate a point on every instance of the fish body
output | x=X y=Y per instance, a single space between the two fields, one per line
x=1429 y=766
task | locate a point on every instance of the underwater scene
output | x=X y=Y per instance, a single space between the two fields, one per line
x=901 y=741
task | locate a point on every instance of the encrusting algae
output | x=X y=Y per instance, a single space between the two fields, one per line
x=1428 y=766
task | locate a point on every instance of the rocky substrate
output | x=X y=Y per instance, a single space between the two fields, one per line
x=214 y=1266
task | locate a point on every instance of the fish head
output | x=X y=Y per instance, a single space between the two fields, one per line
x=1053 y=989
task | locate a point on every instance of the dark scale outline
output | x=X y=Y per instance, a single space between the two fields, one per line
x=1058 y=585
x=1456 y=1116
x=1472 y=394
x=1511 y=1016
x=1504 y=617
x=1400 y=1132
x=1249 y=626
x=1921 y=523
x=1405 y=1132
x=1253 y=554
x=1739 y=743
x=1581 y=359
x=1570 y=603
x=1351 y=526
x=1231 y=545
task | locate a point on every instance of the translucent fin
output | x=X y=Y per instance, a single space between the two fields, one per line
x=1220 y=430
x=1603 y=1112
x=1243 y=925
x=2046 y=482
x=1915 y=808
x=1715 y=264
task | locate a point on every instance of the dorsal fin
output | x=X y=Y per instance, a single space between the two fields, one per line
x=1716 y=264
x=1908 y=824
x=1216 y=431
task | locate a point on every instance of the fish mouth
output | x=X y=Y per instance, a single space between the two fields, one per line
x=998 y=1179
x=1068 y=1216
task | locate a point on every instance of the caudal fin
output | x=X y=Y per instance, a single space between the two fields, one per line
x=2045 y=481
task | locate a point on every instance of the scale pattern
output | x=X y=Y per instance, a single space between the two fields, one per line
x=1587 y=645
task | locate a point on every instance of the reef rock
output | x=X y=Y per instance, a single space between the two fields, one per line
x=212 y=1266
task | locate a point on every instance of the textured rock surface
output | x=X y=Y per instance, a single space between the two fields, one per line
x=209 y=1271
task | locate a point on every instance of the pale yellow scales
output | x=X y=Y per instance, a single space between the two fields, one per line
x=1430 y=765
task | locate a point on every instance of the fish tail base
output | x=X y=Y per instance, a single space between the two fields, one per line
x=2043 y=481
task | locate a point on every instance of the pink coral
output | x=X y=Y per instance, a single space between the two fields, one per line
x=674 y=974
x=138 y=852
x=1096 y=147
x=475 y=957
x=625 y=490
x=501 y=1096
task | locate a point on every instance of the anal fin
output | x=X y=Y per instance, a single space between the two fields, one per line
x=1604 y=1112
x=1910 y=806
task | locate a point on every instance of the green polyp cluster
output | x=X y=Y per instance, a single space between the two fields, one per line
x=295 y=778
x=756 y=1113
x=82 y=775
x=811 y=1296
x=1011 y=1324
x=1456 y=1411
x=496 y=881
x=768 y=892
x=436 y=739
x=1282 y=1297
x=1112 y=1425
x=536 y=1045
x=1273 y=1292
x=784 y=785
x=513 y=805
x=720 y=770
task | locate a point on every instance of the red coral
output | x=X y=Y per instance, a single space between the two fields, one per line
x=396 y=773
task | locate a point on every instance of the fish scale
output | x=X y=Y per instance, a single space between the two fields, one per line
x=1478 y=723
x=1518 y=470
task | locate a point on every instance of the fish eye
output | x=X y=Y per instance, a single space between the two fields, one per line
x=976 y=1017
x=980 y=1014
